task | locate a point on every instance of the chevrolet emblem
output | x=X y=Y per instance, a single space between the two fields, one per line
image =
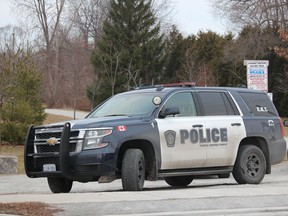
x=51 y=141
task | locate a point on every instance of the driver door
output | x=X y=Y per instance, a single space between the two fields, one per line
x=180 y=135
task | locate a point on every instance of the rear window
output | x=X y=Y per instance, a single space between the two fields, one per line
x=259 y=104
x=217 y=103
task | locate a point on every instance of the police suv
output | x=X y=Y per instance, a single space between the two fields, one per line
x=172 y=132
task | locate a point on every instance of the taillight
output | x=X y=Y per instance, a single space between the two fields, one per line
x=282 y=127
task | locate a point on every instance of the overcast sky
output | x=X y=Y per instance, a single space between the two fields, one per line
x=190 y=16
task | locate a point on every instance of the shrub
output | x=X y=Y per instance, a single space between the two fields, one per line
x=13 y=132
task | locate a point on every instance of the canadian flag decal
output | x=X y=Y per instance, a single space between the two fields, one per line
x=121 y=128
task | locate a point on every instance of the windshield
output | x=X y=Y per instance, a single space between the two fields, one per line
x=126 y=105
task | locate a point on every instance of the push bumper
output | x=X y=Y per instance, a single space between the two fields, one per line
x=86 y=165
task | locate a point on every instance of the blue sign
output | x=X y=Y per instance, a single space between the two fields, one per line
x=257 y=71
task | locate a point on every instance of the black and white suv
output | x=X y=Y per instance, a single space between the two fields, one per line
x=171 y=132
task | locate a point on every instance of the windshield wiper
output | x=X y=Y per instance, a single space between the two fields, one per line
x=115 y=115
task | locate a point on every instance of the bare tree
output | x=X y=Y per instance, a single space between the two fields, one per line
x=110 y=63
x=133 y=76
x=43 y=15
x=188 y=71
x=9 y=35
x=262 y=13
x=164 y=11
x=48 y=17
x=282 y=51
x=88 y=16
x=77 y=74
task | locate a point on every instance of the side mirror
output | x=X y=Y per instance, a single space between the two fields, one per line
x=169 y=111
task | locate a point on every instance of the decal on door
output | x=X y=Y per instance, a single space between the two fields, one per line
x=170 y=137
x=213 y=135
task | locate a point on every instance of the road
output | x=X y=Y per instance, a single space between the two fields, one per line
x=69 y=113
x=211 y=196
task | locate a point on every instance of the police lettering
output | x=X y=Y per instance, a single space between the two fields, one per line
x=213 y=135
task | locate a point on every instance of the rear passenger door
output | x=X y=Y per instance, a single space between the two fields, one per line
x=224 y=127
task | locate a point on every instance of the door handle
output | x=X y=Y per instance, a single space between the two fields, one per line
x=236 y=124
x=197 y=126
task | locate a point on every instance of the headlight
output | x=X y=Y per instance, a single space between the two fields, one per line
x=93 y=138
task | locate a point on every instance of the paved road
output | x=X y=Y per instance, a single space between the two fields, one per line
x=69 y=113
x=203 y=197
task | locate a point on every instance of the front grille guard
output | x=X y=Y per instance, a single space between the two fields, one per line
x=63 y=156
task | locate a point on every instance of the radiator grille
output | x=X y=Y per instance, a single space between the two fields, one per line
x=56 y=135
x=45 y=148
x=42 y=136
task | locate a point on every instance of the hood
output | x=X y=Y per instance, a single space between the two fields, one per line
x=110 y=121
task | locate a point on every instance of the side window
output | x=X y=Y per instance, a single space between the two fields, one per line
x=184 y=102
x=259 y=104
x=216 y=103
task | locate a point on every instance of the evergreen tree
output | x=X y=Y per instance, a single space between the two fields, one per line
x=176 y=49
x=20 y=104
x=131 y=51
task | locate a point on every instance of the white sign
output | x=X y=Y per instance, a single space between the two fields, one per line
x=257 y=74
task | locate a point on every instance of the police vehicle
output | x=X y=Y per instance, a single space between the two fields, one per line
x=172 y=132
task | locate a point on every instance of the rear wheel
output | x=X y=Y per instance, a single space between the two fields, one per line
x=133 y=170
x=59 y=184
x=179 y=181
x=250 y=165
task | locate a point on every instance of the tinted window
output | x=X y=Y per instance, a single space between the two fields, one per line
x=184 y=102
x=259 y=104
x=216 y=103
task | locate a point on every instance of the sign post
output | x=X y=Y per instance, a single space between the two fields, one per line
x=257 y=74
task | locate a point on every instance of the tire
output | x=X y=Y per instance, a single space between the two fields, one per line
x=179 y=181
x=59 y=185
x=250 y=165
x=133 y=170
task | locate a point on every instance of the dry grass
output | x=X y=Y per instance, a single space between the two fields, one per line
x=51 y=118
x=27 y=209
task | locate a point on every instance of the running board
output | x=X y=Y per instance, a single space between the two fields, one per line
x=195 y=171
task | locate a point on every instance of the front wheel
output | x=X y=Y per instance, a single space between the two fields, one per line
x=133 y=170
x=250 y=165
x=59 y=184
x=179 y=181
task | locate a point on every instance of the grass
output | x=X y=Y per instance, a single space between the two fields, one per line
x=51 y=118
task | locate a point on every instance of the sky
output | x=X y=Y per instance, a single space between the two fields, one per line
x=191 y=16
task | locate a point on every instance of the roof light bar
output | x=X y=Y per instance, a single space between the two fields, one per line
x=180 y=84
x=161 y=86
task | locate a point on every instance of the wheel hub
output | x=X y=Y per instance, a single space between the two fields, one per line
x=251 y=165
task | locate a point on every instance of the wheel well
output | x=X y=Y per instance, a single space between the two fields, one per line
x=149 y=153
x=262 y=144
